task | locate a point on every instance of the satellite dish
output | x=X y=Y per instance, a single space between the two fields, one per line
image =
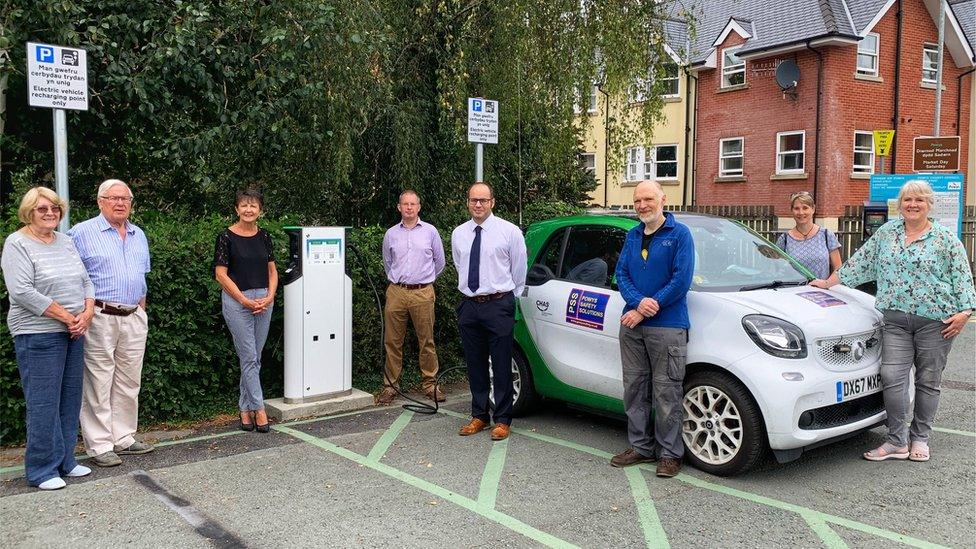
x=787 y=75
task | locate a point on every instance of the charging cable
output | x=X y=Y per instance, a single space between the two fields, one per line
x=417 y=406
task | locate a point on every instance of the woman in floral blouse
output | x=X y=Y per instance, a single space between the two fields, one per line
x=925 y=291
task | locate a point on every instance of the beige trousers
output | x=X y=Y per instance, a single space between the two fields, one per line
x=114 y=349
x=417 y=306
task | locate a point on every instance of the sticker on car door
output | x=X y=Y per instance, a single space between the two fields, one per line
x=586 y=308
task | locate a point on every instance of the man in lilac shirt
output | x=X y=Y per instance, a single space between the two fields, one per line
x=413 y=256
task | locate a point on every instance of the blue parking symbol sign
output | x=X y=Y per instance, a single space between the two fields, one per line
x=45 y=54
x=476 y=105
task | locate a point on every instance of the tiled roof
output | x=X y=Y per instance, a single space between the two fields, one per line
x=966 y=14
x=864 y=11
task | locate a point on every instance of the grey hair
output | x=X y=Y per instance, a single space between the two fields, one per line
x=917 y=187
x=658 y=186
x=109 y=183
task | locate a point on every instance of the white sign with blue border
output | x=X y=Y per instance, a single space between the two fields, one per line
x=948 y=206
x=482 y=121
x=57 y=77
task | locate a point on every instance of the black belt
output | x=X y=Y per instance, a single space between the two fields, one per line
x=113 y=310
x=411 y=286
x=487 y=297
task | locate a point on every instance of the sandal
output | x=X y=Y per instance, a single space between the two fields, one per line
x=886 y=451
x=918 y=451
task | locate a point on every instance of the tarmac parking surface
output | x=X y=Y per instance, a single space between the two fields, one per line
x=388 y=477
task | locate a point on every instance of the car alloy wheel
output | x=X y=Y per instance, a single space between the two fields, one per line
x=523 y=392
x=516 y=384
x=712 y=425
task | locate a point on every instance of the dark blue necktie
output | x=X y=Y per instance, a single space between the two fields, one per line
x=474 y=262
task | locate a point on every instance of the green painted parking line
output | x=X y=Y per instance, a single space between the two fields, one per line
x=954 y=432
x=654 y=533
x=467 y=503
x=748 y=496
x=327 y=418
x=829 y=538
x=198 y=439
x=383 y=444
x=488 y=491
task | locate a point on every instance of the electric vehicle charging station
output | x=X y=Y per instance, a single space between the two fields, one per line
x=318 y=315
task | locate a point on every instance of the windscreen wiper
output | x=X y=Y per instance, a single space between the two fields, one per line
x=773 y=285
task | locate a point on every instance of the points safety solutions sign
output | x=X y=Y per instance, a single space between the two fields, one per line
x=57 y=77
x=482 y=121
x=586 y=308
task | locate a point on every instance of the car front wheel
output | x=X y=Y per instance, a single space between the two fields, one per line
x=523 y=391
x=723 y=429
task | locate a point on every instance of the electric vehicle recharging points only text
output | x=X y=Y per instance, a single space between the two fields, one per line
x=318 y=315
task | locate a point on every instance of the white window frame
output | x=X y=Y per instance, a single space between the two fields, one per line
x=594 y=97
x=676 y=78
x=583 y=164
x=633 y=167
x=863 y=168
x=729 y=70
x=934 y=49
x=639 y=91
x=652 y=172
x=875 y=55
x=780 y=154
x=722 y=157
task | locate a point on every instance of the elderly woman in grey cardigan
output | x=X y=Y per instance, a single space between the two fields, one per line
x=51 y=306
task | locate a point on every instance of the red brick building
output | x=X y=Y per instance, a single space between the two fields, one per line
x=758 y=144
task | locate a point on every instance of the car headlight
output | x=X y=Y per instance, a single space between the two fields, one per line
x=776 y=336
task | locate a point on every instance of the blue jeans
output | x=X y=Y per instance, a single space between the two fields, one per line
x=249 y=332
x=51 y=367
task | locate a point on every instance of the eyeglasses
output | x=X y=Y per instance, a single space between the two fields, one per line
x=483 y=201
x=43 y=210
x=123 y=199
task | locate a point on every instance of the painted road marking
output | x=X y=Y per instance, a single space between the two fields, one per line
x=829 y=538
x=741 y=494
x=488 y=490
x=654 y=533
x=431 y=488
x=383 y=444
x=206 y=527
x=954 y=432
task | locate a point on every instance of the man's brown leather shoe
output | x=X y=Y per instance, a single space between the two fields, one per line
x=475 y=426
x=386 y=396
x=440 y=395
x=500 y=431
x=668 y=467
x=630 y=457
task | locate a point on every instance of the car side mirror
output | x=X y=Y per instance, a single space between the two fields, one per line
x=538 y=275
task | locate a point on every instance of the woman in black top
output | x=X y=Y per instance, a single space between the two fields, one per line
x=245 y=268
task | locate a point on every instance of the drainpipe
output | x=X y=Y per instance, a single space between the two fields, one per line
x=959 y=101
x=895 y=116
x=688 y=137
x=606 y=146
x=816 y=151
x=694 y=152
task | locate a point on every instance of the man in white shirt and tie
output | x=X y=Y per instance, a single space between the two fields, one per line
x=491 y=262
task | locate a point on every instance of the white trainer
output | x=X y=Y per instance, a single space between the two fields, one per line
x=79 y=471
x=55 y=483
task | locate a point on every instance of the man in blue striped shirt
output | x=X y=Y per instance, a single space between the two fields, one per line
x=116 y=256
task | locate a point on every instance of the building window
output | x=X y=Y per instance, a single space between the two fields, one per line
x=665 y=163
x=660 y=163
x=867 y=54
x=930 y=62
x=638 y=91
x=668 y=82
x=594 y=90
x=587 y=162
x=634 y=168
x=863 y=152
x=789 y=152
x=733 y=68
x=730 y=157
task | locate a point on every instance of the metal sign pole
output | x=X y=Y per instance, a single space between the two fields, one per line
x=938 y=69
x=61 y=164
x=479 y=162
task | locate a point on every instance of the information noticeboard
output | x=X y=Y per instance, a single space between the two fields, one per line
x=948 y=207
x=57 y=77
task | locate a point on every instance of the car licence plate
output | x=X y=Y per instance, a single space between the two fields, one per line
x=858 y=387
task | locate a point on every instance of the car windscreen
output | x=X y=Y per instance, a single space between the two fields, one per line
x=729 y=257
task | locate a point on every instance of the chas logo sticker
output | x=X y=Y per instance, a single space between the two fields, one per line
x=543 y=306
x=586 y=308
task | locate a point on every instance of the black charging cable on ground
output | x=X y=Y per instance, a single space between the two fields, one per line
x=418 y=406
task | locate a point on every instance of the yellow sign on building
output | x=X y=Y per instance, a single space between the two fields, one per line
x=882 y=141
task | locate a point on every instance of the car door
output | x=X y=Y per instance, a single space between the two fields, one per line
x=573 y=311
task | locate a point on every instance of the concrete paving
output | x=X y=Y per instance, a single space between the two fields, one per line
x=391 y=478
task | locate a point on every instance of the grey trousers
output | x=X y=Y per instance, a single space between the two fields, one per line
x=653 y=362
x=910 y=339
x=249 y=332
